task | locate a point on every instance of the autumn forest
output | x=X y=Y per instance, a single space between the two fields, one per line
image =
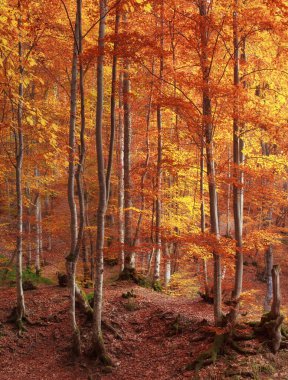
x=143 y=189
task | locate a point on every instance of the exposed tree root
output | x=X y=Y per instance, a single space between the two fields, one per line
x=18 y=319
x=210 y=356
x=221 y=342
x=98 y=351
x=239 y=349
x=239 y=338
x=270 y=327
x=106 y=325
x=76 y=342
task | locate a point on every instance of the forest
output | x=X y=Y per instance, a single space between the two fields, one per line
x=143 y=189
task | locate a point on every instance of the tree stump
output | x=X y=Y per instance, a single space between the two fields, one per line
x=272 y=321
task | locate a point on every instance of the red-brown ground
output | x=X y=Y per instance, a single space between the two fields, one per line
x=154 y=341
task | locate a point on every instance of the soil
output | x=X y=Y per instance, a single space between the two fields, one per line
x=152 y=335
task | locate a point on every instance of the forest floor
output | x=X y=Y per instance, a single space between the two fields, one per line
x=153 y=336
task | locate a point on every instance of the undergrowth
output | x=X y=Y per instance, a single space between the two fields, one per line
x=8 y=277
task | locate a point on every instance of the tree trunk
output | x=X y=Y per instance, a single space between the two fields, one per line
x=121 y=177
x=147 y=160
x=71 y=259
x=228 y=226
x=98 y=347
x=29 y=248
x=113 y=104
x=269 y=266
x=129 y=264
x=48 y=214
x=202 y=209
x=19 y=149
x=38 y=236
x=271 y=322
x=237 y=190
x=211 y=173
x=167 y=274
x=158 y=208
x=81 y=243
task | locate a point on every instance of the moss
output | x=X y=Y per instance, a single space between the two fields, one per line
x=157 y=286
x=89 y=297
x=99 y=352
x=260 y=368
x=8 y=277
x=210 y=356
x=145 y=282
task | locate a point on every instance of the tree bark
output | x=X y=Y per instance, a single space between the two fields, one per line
x=211 y=173
x=38 y=236
x=237 y=190
x=269 y=267
x=129 y=263
x=113 y=104
x=19 y=150
x=98 y=347
x=71 y=259
x=167 y=274
x=202 y=209
x=147 y=160
x=158 y=208
x=121 y=177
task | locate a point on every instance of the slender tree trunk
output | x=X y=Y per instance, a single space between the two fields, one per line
x=98 y=347
x=228 y=226
x=90 y=236
x=82 y=149
x=121 y=177
x=211 y=173
x=38 y=246
x=158 y=208
x=48 y=214
x=85 y=260
x=202 y=208
x=41 y=233
x=269 y=267
x=269 y=250
x=71 y=259
x=167 y=274
x=237 y=208
x=113 y=104
x=19 y=150
x=129 y=264
x=29 y=247
x=152 y=240
x=147 y=160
